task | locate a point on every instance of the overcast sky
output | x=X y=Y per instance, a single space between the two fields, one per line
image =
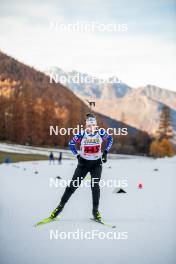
x=144 y=54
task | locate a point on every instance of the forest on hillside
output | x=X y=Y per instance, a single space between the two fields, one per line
x=29 y=105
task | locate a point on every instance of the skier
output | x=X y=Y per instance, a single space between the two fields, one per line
x=89 y=160
x=60 y=158
x=51 y=157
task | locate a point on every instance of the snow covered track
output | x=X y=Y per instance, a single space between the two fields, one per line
x=147 y=214
x=15 y=148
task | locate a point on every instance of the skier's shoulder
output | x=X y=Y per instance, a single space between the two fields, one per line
x=79 y=136
x=81 y=133
x=102 y=132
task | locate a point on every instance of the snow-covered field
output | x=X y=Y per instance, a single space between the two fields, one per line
x=147 y=216
x=67 y=154
x=15 y=148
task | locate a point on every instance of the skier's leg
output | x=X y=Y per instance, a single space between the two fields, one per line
x=95 y=178
x=79 y=174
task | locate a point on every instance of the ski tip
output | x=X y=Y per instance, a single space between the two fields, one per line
x=46 y=221
x=37 y=224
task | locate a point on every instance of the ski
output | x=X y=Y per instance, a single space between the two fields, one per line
x=103 y=223
x=49 y=220
x=46 y=221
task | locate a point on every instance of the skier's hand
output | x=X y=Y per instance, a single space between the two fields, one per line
x=104 y=156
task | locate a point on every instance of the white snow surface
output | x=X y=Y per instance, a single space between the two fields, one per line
x=15 y=148
x=147 y=215
x=67 y=154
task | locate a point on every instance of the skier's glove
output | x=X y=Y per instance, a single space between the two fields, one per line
x=104 y=156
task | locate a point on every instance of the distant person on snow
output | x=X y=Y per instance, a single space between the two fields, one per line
x=60 y=158
x=89 y=160
x=51 y=157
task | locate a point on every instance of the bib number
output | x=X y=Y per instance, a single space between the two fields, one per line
x=91 y=149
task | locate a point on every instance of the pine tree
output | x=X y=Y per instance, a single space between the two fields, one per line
x=165 y=129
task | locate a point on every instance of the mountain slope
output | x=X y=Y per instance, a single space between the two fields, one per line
x=87 y=85
x=30 y=105
x=159 y=94
x=138 y=111
x=139 y=107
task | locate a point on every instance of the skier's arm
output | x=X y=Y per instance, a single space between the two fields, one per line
x=107 y=138
x=75 y=139
x=108 y=143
